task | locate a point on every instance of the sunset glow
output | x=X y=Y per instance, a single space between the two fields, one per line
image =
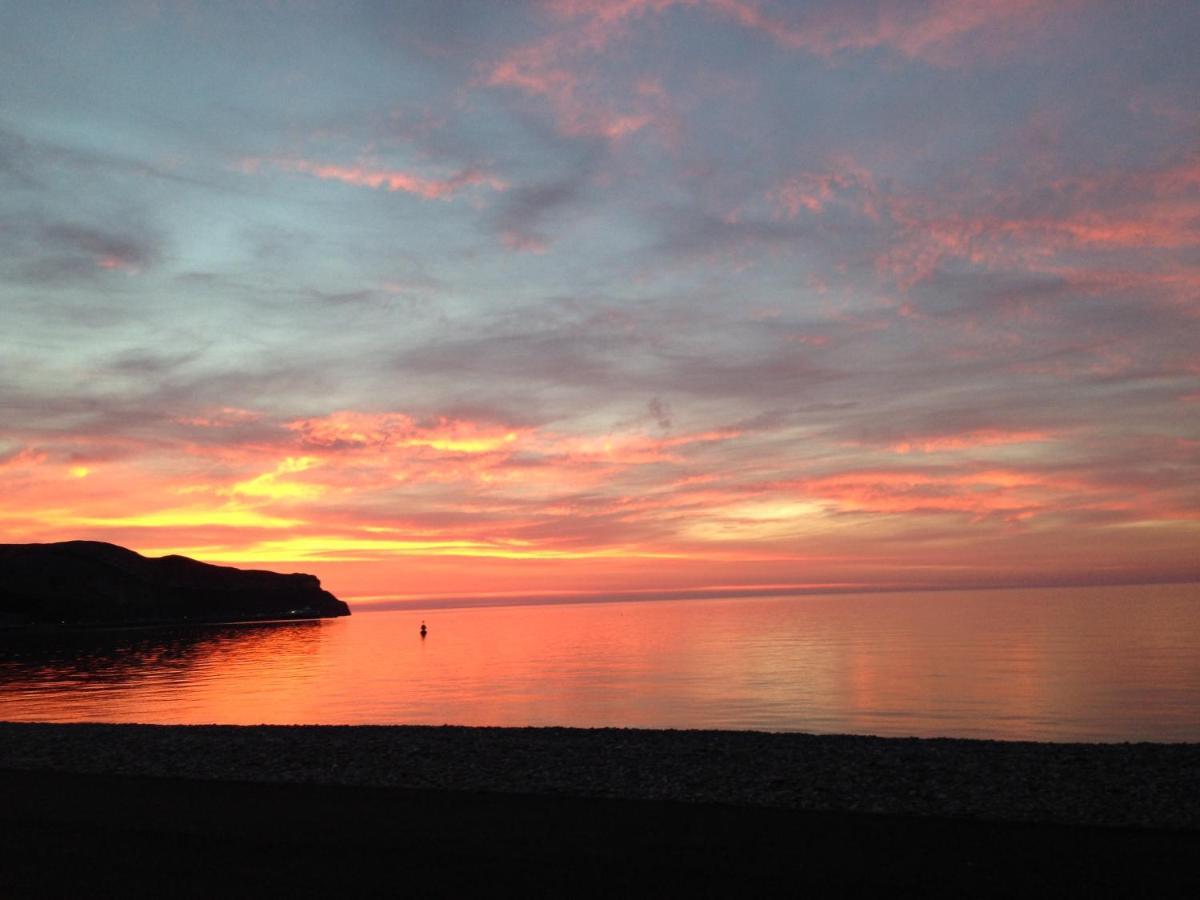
x=565 y=298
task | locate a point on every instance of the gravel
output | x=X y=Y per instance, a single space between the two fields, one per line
x=1143 y=785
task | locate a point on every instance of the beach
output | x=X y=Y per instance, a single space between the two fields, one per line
x=313 y=809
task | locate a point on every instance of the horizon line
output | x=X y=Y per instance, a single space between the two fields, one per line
x=391 y=603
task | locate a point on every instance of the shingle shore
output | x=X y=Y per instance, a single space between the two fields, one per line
x=1150 y=785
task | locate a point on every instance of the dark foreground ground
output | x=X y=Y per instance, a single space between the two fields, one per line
x=104 y=811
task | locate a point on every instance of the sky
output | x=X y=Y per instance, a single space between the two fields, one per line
x=574 y=297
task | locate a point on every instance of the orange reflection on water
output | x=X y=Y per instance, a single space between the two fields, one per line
x=1075 y=664
x=192 y=675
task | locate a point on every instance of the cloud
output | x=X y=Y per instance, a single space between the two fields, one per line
x=521 y=219
x=382 y=178
x=391 y=431
x=858 y=291
x=983 y=437
x=573 y=355
x=1060 y=227
x=1010 y=494
x=63 y=252
x=942 y=32
x=17 y=156
x=560 y=69
x=223 y=417
x=660 y=412
x=277 y=485
x=814 y=191
x=695 y=235
x=564 y=70
x=1150 y=209
x=138 y=399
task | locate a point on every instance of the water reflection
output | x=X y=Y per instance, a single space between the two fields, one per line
x=119 y=654
x=148 y=674
x=1079 y=664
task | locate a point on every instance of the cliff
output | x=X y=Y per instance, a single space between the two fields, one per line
x=93 y=583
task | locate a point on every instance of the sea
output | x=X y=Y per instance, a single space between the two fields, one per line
x=1094 y=664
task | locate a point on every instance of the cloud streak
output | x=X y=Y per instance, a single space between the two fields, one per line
x=391 y=180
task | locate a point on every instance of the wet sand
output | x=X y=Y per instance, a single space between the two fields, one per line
x=189 y=811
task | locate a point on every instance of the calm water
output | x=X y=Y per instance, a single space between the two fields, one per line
x=1108 y=664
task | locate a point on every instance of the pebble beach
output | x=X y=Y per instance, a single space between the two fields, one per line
x=1141 y=785
x=317 y=811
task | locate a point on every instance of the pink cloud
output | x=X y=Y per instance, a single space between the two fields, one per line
x=116 y=262
x=938 y=32
x=23 y=459
x=577 y=112
x=563 y=67
x=843 y=182
x=1034 y=225
x=562 y=70
x=388 y=179
x=223 y=417
x=983 y=437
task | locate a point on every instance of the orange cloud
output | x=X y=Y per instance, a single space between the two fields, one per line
x=1012 y=494
x=347 y=492
x=983 y=437
x=395 y=430
x=25 y=458
x=276 y=485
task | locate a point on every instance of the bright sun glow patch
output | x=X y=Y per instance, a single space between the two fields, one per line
x=759 y=520
x=191 y=517
x=273 y=486
x=315 y=548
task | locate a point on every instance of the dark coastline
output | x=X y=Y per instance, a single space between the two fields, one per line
x=319 y=810
x=92 y=584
